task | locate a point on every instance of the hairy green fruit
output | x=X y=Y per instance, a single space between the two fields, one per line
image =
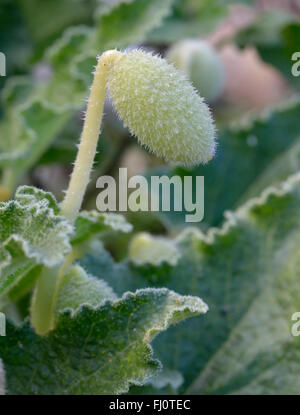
x=161 y=108
x=158 y=105
x=201 y=64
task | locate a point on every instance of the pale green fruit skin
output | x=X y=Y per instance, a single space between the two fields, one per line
x=201 y=64
x=162 y=108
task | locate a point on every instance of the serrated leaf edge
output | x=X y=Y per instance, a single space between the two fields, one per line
x=231 y=217
x=64 y=228
x=150 y=334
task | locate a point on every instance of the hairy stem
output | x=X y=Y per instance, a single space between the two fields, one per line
x=89 y=138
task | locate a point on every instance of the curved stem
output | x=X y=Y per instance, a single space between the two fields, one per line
x=88 y=143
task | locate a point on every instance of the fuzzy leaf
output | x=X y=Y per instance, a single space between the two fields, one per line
x=91 y=223
x=248 y=273
x=279 y=170
x=31 y=232
x=78 y=288
x=31 y=124
x=167 y=382
x=239 y=288
x=261 y=356
x=94 y=351
x=119 y=275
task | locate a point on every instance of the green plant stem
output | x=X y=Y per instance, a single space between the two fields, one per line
x=47 y=288
x=88 y=143
x=42 y=304
x=8 y=183
x=45 y=295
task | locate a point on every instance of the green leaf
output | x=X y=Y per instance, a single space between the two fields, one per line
x=32 y=123
x=24 y=285
x=67 y=13
x=29 y=125
x=68 y=86
x=261 y=356
x=248 y=273
x=129 y=21
x=36 y=111
x=99 y=262
x=189 y=19
x=16 y=91
x=247 y=149
x=276 y=36
x=31 y=232
x=94 y=351
x=78 y=288
x=240 y=267
x=166 y=382
x=279 y=170
x=91 y=223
